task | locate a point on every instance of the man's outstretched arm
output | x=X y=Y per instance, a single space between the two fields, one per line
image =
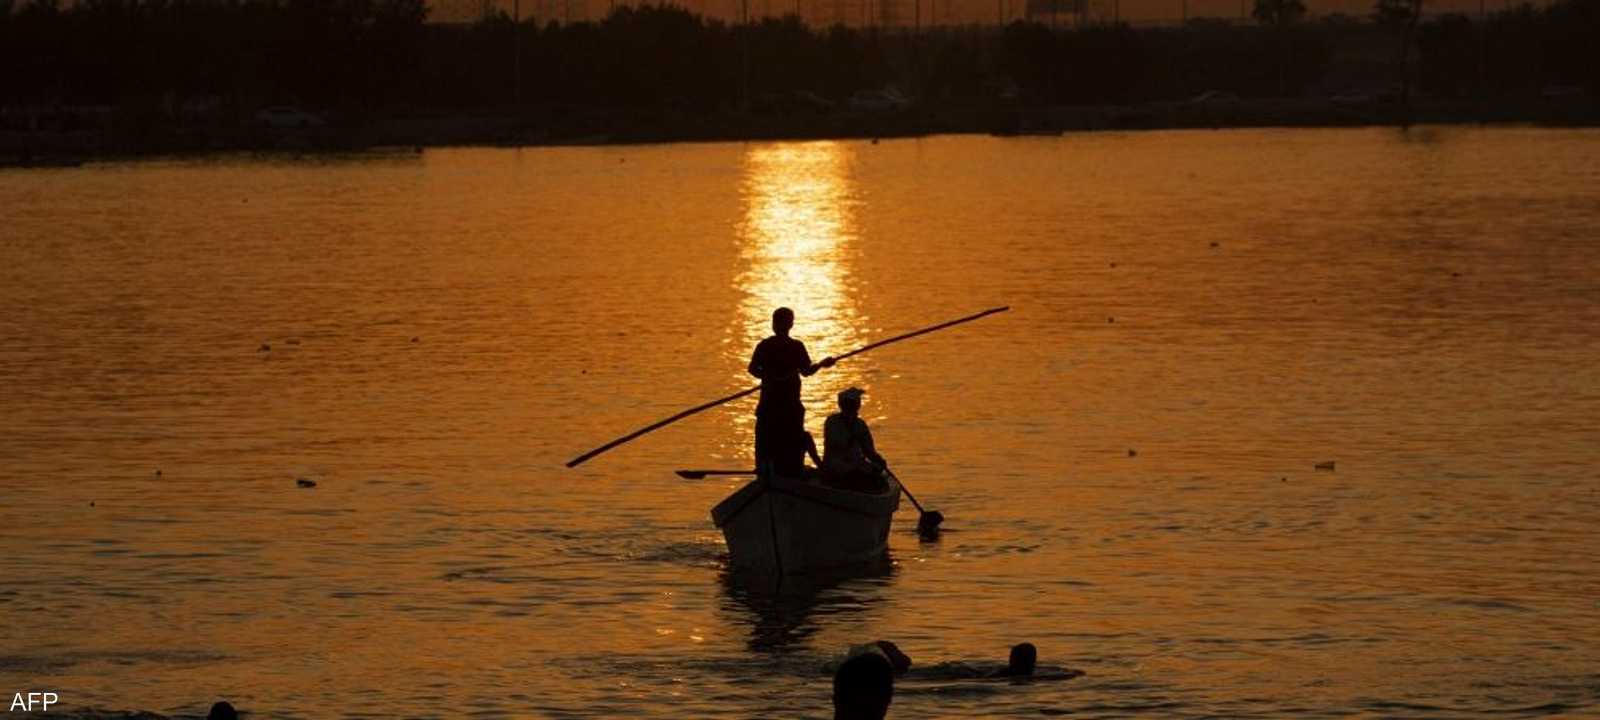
x=810 y=370
x=870 y=450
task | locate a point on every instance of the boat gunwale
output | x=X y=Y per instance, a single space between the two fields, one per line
x=764 y=484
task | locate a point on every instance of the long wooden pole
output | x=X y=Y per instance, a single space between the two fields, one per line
x=923 y=331
x=579 y=460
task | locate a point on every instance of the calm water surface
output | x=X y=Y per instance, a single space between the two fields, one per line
x=1125 y=459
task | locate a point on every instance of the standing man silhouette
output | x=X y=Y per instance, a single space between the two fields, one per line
x=780 y=361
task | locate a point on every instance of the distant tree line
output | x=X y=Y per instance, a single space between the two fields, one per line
x=367 y=56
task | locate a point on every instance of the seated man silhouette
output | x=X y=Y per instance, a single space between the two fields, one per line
x=849 y=459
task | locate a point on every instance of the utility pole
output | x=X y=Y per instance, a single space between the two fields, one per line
x=744 y=54
x=1483 y=46
x=516 y=52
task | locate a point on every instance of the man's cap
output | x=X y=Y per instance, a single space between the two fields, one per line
x=852 y=394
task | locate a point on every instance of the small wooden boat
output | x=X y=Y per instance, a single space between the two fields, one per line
x=777 y=526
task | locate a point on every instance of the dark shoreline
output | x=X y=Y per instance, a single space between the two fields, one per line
x=568 y=126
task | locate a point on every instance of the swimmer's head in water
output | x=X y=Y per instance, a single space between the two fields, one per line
x=863 y=688
x=897 y=660
x=1023 y=657
x=782 y=321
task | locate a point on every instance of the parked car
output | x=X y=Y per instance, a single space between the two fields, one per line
x=1563 y=92
x=799 y=102
x=885 y=100
x=813 y=102
x=1214 y=97
x=284 y=116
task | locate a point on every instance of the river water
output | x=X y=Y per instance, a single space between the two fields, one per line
x=1125 y=459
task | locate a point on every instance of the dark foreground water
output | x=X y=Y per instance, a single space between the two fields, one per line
x=1126 y=459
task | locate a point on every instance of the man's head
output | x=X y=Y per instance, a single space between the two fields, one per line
x=1023 y=657
x=222 y=711
x=850 y=400
x=863 y=688
x=782 y=321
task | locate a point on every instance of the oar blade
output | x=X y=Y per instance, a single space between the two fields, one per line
x=698 y=474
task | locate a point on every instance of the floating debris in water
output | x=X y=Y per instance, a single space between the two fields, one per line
x=415 y=338
x=1215 y=244
x=158 y=473
x=1110 y=319
x=302 y=482
x=1328 y=465
x=1132 y=452
x=264 y=348
x=91 y=503
x=1113 y=264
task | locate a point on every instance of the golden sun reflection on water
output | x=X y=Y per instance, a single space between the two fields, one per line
x=1426 y=315
x=797 y=233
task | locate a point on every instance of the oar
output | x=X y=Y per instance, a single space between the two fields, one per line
x=698 y=474
x=928 y=521
x=579 y=460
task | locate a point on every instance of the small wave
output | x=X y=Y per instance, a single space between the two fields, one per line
x=1486 y=604
x=1394 y=705
x=50 y=664
x=97 y=714
x=1553 y=708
